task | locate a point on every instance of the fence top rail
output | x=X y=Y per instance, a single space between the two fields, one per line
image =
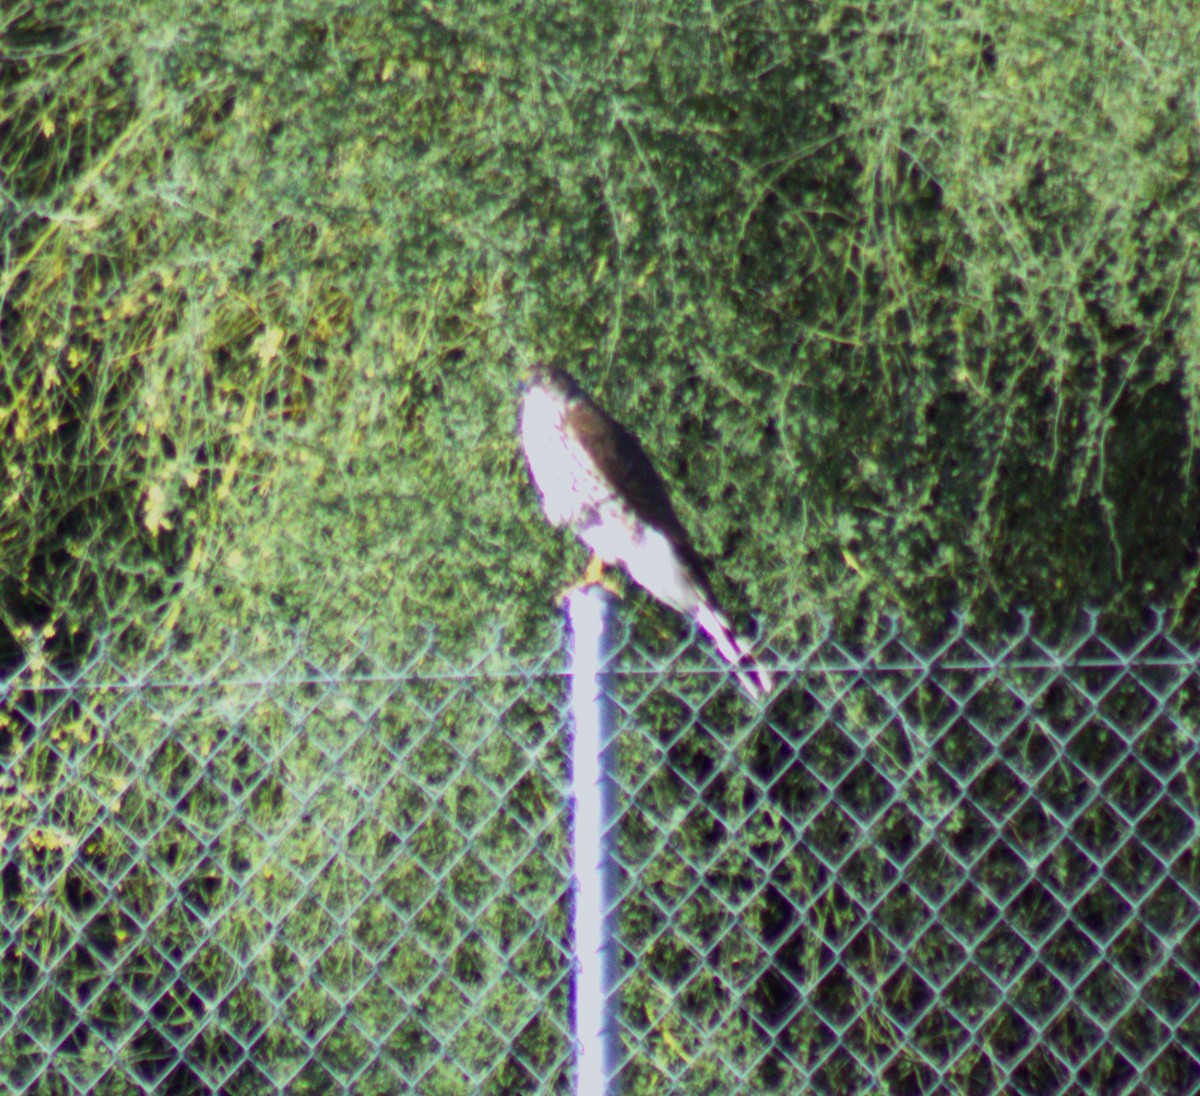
x=959 y=651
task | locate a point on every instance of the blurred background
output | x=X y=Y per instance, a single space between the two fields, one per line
x=903 y=300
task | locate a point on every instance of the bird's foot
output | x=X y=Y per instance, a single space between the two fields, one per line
x=593 y=576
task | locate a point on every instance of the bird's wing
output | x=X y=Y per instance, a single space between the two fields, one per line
x=624 y=464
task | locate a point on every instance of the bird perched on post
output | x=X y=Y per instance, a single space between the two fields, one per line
x=595 y=478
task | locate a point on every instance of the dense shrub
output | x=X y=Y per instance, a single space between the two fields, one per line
x=903 y=297
x=903 y=303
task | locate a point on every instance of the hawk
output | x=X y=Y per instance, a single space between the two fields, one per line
x=595 y=478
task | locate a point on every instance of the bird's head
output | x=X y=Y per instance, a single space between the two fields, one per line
x=549 y=378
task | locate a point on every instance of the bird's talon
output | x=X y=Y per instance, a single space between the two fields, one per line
x=593 y=576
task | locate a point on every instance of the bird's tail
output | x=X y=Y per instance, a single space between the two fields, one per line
x=755 y=681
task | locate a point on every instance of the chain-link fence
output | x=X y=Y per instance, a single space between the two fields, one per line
x=970 y=869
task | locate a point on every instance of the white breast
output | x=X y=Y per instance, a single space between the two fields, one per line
x=561 y=469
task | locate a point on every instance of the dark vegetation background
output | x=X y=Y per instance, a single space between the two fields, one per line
x=902 y=297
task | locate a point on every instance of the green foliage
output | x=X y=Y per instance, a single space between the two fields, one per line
x=903 y=298
x=903 y=301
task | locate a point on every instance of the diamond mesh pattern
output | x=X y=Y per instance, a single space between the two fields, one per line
x=970 y=869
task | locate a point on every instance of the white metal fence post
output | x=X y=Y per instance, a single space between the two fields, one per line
x=594 y=835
